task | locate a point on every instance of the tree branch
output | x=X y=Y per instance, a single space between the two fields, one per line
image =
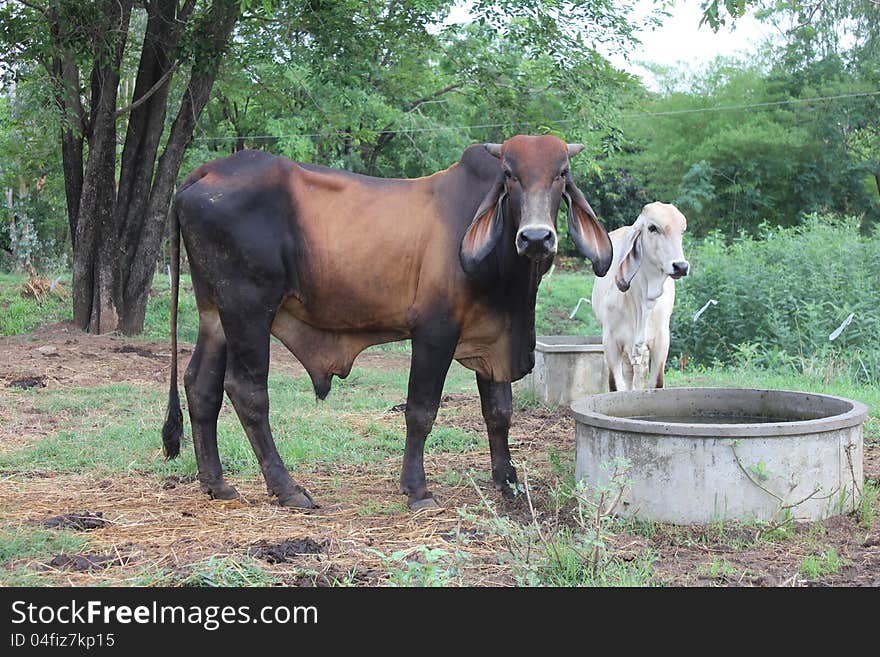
x=140 y=101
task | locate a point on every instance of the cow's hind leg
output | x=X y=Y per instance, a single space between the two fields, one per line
x=247 y=376
x=204 y=394
x=496 y=402
x=432 y=353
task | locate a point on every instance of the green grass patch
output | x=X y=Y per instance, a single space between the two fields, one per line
x=20 y=314
x=867 y=515
x=23 y=542
x=558 y=295
x=117 y=428
x=157 y=321
x=820 y=565
x=228 y=571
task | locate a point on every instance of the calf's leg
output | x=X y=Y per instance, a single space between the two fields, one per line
x=639 y=358
x=659 y=354
x=619 y=369
x=496 y=401
x=432 y=352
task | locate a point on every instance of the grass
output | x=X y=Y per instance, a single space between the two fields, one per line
x=557 y=297
x=718 y=567
x=867 y=515
x=20 y=314
x=228 y=571
x=115 y=428
x=821 y=565
x=22 y=542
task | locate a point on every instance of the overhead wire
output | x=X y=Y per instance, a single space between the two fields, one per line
x=695 y=110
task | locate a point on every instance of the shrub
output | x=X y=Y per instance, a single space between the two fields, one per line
x=781 y=296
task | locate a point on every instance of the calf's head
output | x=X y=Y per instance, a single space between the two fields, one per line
x=535 y=177
x=654 y=243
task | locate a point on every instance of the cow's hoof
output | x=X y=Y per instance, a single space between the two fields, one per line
x=429 y=502
x=509 y=490
x=220 y=491
x=297 y=498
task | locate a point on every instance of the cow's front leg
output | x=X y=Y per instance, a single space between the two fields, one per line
x=640 y=359
x=496 y=401
x=432 y=352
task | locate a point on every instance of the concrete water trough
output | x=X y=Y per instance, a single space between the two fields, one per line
x=567 y=367
x=700 y=455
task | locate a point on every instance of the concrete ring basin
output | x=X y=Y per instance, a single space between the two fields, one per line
x=567 y=367
x=700 y=455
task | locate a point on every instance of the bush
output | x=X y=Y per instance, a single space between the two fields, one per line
x=781 y=296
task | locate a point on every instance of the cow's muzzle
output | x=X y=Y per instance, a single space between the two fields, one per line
x=536 y=242
x=680 y=268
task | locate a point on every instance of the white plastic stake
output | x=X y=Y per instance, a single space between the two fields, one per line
x=580 y=301
x=710 y=302
x=840 y=328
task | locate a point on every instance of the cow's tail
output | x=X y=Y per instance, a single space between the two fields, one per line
x=172 y=431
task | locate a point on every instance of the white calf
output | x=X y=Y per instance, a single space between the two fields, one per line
x=633 y=302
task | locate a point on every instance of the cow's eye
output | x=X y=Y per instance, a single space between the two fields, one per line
x=653 y=229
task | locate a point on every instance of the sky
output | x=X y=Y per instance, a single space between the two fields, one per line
x=680 y=39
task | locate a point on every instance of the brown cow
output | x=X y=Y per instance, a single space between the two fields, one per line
x=331 y=262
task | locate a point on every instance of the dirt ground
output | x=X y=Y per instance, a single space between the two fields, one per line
x=138 y=521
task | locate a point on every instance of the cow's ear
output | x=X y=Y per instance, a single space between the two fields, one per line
x=589 y=236
x=632 y=258
x=485 y=230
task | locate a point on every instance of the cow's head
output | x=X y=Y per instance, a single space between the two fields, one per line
x=535 y=178
x=654 y=242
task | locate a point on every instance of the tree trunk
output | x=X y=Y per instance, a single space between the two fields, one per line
x=214 y=30
x=65 y=78
x=145 y=126
x=95 y=255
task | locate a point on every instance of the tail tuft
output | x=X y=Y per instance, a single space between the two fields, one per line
x=172 y=431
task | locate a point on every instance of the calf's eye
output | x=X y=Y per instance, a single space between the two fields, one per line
x=653 y=229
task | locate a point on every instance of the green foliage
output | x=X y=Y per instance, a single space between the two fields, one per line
x=718 y=567
x=737 y=145
x=552 y=552
x=780 y=297
x=426 y=567
x=615 y=194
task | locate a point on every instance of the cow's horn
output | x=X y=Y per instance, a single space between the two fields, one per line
x=494 y=149
x=574 y=149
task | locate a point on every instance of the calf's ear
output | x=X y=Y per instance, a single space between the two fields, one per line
x=485 y=230
x=632 y=258
x=589 y=236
